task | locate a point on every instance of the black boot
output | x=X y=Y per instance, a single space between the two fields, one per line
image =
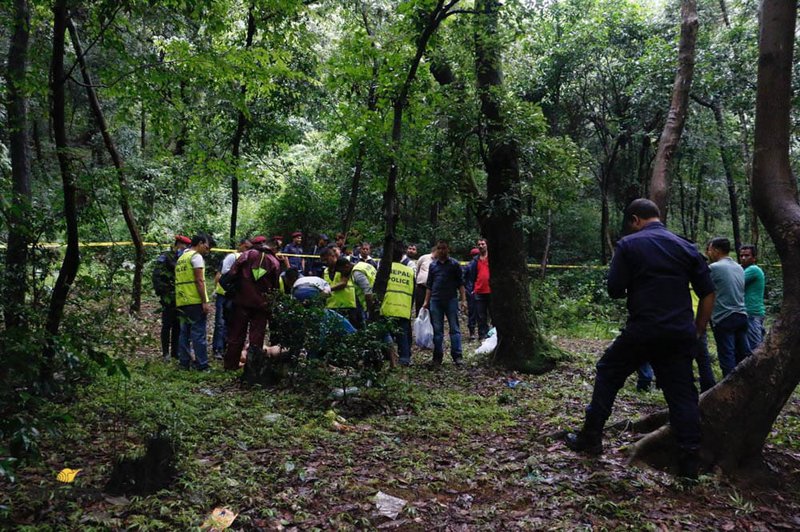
x=688 y=464
x=586 y=442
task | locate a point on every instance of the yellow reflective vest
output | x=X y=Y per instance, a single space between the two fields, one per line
x=399 y=292
x=370 y=272
x=344 y=298
x=219 y=290
x=185 y=290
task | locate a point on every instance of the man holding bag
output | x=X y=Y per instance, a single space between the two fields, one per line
x=445 y=283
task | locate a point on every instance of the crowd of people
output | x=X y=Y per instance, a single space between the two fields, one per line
x=342 y=280
x=660 y=274
x=673 y=292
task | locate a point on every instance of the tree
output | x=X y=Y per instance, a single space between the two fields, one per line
x=676 y=118
x=116 y=159
x=429 y=21
x=18 y=214
x=739 y=412
x=520 y=345
x=241 y=125
x=71 y=262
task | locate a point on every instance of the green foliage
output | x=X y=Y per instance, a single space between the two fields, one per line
x=575 y=303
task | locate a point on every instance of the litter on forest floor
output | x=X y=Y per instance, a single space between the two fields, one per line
x=389 y=506
x=487 y=346
x=220 y=519
x=67 y=475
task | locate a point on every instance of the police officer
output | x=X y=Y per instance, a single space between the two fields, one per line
x=363 y=276
x=191 y=300
x=343 y=293
x=397 y=303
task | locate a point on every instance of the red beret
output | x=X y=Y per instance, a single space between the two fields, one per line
x=183 y=239
x=297 y=233
x=258 y=240
x=474 y=251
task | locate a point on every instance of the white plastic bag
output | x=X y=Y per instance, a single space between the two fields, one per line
x=423 y=330
x=487 y=346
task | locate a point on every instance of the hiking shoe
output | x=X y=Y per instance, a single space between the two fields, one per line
x=459 y=363
x=688 y=465
x=580 y=443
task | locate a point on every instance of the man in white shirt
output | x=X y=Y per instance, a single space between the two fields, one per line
x=422 y=267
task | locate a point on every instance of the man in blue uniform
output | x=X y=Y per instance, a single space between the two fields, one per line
x=653 y=269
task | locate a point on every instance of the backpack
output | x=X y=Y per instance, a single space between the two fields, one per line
x=163 y=277
x=229 y=281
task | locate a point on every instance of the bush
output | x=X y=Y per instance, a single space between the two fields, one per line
x=570 y=300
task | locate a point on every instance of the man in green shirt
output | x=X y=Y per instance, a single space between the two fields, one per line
x=753 y=295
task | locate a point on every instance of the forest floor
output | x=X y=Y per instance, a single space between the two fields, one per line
x=462 y=448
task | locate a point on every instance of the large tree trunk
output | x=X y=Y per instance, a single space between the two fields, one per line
x=520 y=346
x=241 y=126
x=673 y=128
x=116 y=159
x=69 y=267
x=739 y=412
x=390 y=213
x=19 y=235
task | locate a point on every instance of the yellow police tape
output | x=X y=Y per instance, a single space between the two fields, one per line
x=55 y=245
x=52 y=245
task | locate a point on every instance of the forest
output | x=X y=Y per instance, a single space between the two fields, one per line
x=531 y=124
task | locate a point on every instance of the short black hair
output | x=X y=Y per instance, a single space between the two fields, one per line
x=720 y=243
x=642 y=208
x=752 y=247
x=244 y=239
x=442 y=243
x=324 y=252
x=289 y=277
x=200 y=238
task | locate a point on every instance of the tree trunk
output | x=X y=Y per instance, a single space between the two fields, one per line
x=716 y=107
x=673 y=128
x=116 y=159
x=520 y=346
x=739 y=412
x=241 y=125
x=604 y=221
x=69 y=267
x=390 y=214
x=547 y=240
x=726 y=164
x=19 y=235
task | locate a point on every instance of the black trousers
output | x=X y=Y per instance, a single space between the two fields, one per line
x=170 y=330
x=671 y=360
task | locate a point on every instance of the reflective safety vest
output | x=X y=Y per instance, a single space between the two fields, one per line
x=185 y=289
x=370 y=271
x=219 y=290
x=399 y=292
x=344 y=298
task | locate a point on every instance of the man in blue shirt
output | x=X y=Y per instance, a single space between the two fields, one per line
x=445 y=282
x=653 y=268
x=295 y=247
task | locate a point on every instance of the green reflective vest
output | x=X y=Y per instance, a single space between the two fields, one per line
x=185 y=289
x=399 y=292
x=344 y=298
x=219 y=290
x=370 y=271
